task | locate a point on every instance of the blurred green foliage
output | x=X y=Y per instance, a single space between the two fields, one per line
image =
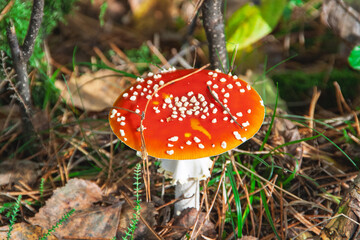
x=290 y=6
x=296 y=86
x=252 y=22
x=354 y=58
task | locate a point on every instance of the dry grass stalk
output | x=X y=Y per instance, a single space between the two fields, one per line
x=314 y=99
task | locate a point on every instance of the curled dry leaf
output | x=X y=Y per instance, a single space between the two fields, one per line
x=148 y=212
x=93 y=91
x=285 y=131
x=351 y=149
x=89 y=220
x=24 y=231
x=343 y=19
x=12 y=171
x=94 y=222
x=186 y=220
x=77 y=194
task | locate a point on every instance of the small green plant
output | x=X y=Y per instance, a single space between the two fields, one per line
x=142 y=55
x=58 y=223
x=13 y=214
x=41 y=188
x=129 y=233
x=103 y=9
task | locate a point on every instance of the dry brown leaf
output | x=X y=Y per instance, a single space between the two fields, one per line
x=88 y=220
x=24 y=231
x=96 y=222
x=148 y=212
x=152 y=16
x=93 y=91
x=285 y=131
x=77 y=194
x=343 y=19
x=186 y=220
x=12 y=171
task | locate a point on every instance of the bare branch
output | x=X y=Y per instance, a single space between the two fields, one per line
x=20 y=68
x=33 y=29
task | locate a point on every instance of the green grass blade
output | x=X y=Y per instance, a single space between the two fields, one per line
x=230 y=175
x=272 y=120
x=267 y=212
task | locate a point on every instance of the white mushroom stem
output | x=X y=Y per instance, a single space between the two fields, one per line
x=190 y=191
x=186 y=175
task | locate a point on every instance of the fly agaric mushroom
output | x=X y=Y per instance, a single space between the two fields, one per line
x=188 y=115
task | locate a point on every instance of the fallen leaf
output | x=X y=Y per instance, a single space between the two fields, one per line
x=148 y=212
x=77 y=194
x=343 y=19
x=285 y=131
x=12 y=171
x=95 y=222
x=24 y=231
x=186 y=220
x=93 y=91
x=89 y=220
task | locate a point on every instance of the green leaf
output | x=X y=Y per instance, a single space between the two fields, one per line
x=252 y=22
x=354 y=58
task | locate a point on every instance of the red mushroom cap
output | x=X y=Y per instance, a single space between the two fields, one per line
x=188 y=114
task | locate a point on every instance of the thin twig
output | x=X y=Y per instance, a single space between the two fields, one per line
x=156 y=51
x=123 y=56
x=196 y=10
x=103 y=57
x=144 y=156
x=6 y=9
x=357 y=126
x=314 y=99
x=223 y=106
x=340 y=98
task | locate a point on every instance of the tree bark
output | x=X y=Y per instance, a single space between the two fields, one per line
x=20 y=56
x=344 y=224
x=215 y=33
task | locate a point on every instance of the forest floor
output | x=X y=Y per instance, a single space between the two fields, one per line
x=288 y=181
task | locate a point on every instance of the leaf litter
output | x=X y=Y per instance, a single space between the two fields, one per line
x=320 y=171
